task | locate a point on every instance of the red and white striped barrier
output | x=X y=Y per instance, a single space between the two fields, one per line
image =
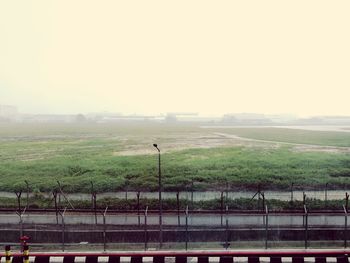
x=227 y=256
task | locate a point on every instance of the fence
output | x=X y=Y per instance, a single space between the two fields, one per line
x=225 y=229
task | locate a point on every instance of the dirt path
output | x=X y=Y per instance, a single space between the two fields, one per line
x=297 y=146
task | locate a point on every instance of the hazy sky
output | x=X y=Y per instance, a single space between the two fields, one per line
x=210 y=57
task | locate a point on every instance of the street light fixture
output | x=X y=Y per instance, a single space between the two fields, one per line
x=160 y=198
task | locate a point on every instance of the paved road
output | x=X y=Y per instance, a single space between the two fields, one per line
x=193 y=220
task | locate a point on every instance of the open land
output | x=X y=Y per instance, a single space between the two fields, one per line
x=120 y=156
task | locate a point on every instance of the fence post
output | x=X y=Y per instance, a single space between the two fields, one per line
x=192 y=185
x=306 y=227
x=304 y=204
x=178 y=207
x=186 y=243
x=263 y=200
x=95 y=207
x=221 y=207
x=20 y=224
x=346 y=200
x=138 y=208
x=266 y=226
x=20 y=214
x=63 y=227
x=291 y=192
x=54 y=193
x=345 y=227
x=227 y=244
x=146 y=232
x=104 y=229
x=93 y=201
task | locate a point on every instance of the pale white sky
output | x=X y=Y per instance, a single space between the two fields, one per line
x=149 y=57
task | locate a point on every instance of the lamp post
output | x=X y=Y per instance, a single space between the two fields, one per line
x=160 y=199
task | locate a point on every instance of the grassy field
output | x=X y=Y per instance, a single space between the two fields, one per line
x=117 y=157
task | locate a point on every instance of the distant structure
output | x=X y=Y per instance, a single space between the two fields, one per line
x=324 y=120
x=181 y=116
x=246 y=119
x=8 y=113
x=48 y=118
x=119 y=118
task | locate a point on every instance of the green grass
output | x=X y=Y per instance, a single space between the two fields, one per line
x=77 y=154
x=40 y=201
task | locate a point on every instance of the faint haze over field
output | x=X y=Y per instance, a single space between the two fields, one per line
x=149 y=57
